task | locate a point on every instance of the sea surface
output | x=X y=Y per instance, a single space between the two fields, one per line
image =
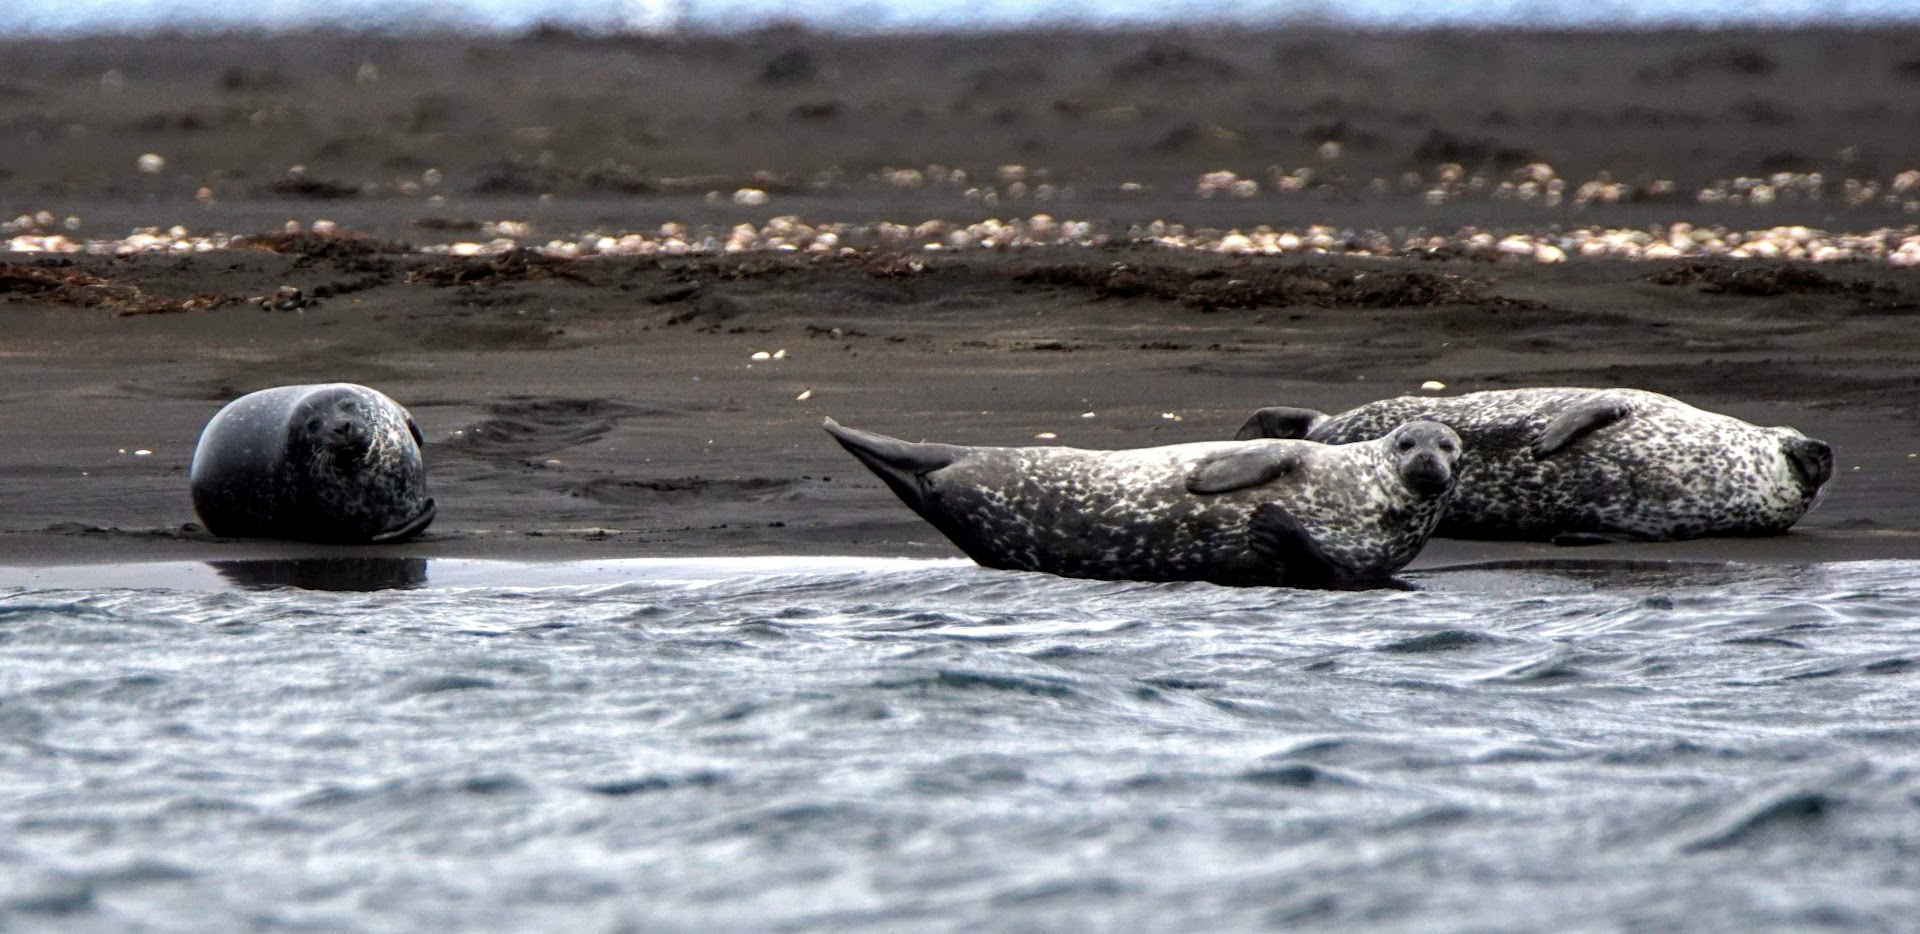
x=853 y=745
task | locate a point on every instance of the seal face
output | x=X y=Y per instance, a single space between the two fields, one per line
x=1579 y=465
x=333 y=462
x=1243 y=512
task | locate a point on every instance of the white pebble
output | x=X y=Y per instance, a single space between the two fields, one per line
x=151 y=164
x=804 y=395
x=750 y=197
x=1433 y=385
x=780 y=354
x=1086 y=415
x=1046 y=436
x=143 y=452
x=761 y=355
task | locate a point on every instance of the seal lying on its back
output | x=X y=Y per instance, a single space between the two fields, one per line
x=1247 y=513
x=333 y=462
x=1582 y=465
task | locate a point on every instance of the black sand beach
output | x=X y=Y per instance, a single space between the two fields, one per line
x=609 y=406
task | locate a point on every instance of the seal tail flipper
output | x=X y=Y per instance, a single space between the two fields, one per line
x=1278 y=537
x=1576 y=423
x=1812 y=460
x=900 y=463
x=1279 y=421
x=409 y=528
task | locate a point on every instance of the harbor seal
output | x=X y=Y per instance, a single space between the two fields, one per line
x=1263 y=512
x=332 y=462
x=1581 y=466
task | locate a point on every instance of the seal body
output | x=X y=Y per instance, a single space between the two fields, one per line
x=1244 y=513
x=332 y=462
x=1594 y=464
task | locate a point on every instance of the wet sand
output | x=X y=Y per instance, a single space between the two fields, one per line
x=610 y=408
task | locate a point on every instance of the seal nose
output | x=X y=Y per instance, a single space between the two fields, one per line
x=1812 y=461
x=348 y=440
x=1428 y=473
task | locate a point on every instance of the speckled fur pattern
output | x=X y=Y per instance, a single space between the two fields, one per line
x=333 y=462
x=1667 y=471
x=1128 y=515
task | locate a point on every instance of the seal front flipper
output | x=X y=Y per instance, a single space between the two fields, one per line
x=1278 y=537
x=413 y=429
x=1240 y=470
x=1576 y=423
x=1279 y=421
x=409 y=528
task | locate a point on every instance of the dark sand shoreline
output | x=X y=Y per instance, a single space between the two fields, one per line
x=613 y=410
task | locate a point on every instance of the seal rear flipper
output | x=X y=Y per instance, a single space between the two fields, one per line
x=1240 y=470
x=1812 y=461
x=1576 y=423
x=1279 y=421
x=410 y=528
x=878 y=451
x=903 y=465
x=1278 y=537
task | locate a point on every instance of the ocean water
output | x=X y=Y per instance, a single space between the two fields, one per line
x=850 y=745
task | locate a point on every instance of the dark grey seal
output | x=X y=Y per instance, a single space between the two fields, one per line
x=1290 y=513
x=333 y=462
x=1587 y=465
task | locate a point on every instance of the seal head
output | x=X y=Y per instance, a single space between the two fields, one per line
x=335 y=462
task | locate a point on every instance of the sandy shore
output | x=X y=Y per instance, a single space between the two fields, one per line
x=609 y=407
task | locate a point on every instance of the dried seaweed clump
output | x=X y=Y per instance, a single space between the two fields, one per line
x=323 y=245
x=75 y=287
x=1776 y=280
x=1324 y=286
x=518 y=265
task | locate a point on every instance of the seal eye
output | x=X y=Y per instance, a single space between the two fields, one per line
x=1406 y=444
x=313 y=424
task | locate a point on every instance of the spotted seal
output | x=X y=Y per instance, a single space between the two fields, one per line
x=332 y=462
x=1231 y=512
x=1580 y=466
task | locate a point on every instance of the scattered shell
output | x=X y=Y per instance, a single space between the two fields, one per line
x=761 y=355
x=1087 y=414
x=780 y=354
x=1046 y=436
x=143 y=452
x=804 y=395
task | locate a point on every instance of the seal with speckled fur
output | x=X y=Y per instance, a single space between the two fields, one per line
x=1290 y=513
x=333 y=462
x=1581 y=466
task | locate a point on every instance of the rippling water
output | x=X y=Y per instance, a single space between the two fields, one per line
x=941 y=747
